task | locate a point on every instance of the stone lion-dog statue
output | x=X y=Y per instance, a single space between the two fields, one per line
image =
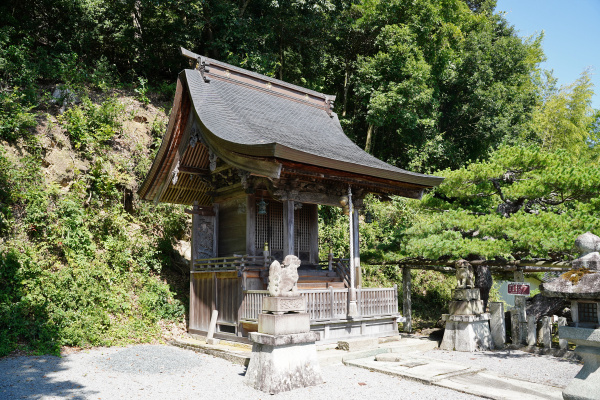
x=283 y=279
x=464 y=275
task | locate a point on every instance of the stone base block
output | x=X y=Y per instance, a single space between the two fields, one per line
x=466 y=294
x=283 y=324
x=586 y=383
x=282 y=305
x=284 y=362
x=466 y=318
x=467 y=336
x=466 y=307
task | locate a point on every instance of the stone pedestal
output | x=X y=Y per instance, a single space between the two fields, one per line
x=284 y=355
x=467 y=326
x=586 y=384
x=467 y=333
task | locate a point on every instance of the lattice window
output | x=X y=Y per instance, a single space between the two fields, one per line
x=302 y=229
x=587 y=312
x=269 y=228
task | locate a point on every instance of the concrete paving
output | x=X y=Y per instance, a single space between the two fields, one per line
x=402 y=357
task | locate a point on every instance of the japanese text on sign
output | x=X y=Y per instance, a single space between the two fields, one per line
x=518 y=288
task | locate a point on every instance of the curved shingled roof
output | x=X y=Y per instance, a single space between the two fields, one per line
x=264 y=126
x=252 y=117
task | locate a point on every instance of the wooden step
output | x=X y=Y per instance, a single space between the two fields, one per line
x=320 y=285
x=319 y=279
x=316 y=273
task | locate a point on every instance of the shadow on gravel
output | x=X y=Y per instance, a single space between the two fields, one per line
x=33 y=378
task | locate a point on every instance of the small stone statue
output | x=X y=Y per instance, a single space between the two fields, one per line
x=464 y=275
x=283 y=279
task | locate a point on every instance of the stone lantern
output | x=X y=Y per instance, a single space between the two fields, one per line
x=581 y=285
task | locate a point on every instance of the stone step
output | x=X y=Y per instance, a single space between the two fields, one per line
x=493 y=386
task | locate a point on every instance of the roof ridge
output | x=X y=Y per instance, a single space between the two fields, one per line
x=206 y=62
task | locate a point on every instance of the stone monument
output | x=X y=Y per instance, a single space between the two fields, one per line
x=581 y=285
x=467 y=324
x=284 y=355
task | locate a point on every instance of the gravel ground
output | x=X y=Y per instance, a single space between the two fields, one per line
x=546 y=370
x=166 y=372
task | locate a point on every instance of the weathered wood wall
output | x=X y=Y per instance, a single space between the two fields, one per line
x=232 y=226
x=214 y=290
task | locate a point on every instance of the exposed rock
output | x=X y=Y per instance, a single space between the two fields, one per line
x=540 y=306
x=588 y=243
x=184 y=248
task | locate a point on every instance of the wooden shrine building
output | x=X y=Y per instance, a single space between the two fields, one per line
x=254 y=157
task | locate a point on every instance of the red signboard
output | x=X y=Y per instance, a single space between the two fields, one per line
x=518 y=288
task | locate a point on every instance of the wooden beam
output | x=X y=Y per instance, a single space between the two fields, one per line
x=206 y=211
x=194 y=170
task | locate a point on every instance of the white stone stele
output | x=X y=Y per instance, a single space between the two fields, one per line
x=467 y=333
x=586 y=384
x=497 y=324
x=280 y=363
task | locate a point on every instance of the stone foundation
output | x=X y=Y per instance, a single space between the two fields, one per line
x=284 y=355
x=467 y=333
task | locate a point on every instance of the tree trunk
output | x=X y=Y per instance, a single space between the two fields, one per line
x=370 y=134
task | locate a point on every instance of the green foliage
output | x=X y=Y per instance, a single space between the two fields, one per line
x=15 y=115
x=565 y=119
x=142 y=90
x=435 y=75
x=77 y=268
x=90 y=125
x=523 y=202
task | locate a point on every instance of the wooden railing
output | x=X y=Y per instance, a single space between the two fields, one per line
x=232 y=263
x=377 y=301
x=340 y=265
x=329 y=304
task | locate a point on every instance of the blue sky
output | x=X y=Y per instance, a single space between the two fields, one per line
x=571 y=35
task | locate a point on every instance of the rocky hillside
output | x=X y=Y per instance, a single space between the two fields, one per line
x=83 y=262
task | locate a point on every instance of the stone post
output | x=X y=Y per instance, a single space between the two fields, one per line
x=531 y=331
x=546 y=332
x=406 y=300
x=562 y=343
x=520 y=306
x=497 y=325
x=515 y=327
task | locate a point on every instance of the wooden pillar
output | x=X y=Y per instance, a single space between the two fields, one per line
x=195 y=238
x=406 y=300
x=356 y=248
x=352 y=303
x=288 y=227
x=314 y=233
x=251 y=225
